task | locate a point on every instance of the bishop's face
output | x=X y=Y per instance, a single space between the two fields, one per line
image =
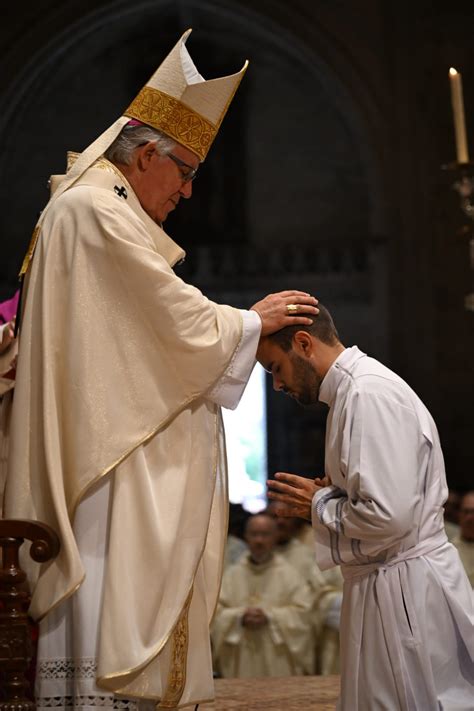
x=291 y=373
x=164 y=181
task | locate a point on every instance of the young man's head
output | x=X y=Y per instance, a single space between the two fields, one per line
x=261 y=537
x=298 y=357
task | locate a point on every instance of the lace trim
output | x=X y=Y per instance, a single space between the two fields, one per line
x=68 y=668
x=79 y=700
x=82 y=671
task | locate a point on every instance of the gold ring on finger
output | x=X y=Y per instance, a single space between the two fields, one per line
x=292 y=308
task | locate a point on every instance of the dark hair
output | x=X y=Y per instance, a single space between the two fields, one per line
x=322 y=328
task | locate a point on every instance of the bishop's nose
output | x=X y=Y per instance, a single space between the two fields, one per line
x=187 y=189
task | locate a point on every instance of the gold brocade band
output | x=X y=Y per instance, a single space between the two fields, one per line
x=174 y=118
x=179 y=654
x=101 y=163
x=29 y=253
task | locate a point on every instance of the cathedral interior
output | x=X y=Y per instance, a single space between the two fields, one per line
x=333 y=172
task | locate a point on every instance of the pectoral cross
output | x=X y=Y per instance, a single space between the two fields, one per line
x=121 y=192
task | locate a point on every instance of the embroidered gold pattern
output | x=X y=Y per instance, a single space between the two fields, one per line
x=174 y=118
x=101 y=163
x=29 y=254
x=179 y=654
x=72 y=156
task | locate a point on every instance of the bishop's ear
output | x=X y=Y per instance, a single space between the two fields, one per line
x=145 y=154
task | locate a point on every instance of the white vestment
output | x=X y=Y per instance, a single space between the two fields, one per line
x=282 y=647
x=117 y=443
x=452 y=529
x=326 y=589
x=407 y=624
x=466 y=553
x=234 y=548
x=328 y=616
x=301 y=558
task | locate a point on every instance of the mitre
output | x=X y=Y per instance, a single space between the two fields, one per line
x=179 y=102
x=176 y=100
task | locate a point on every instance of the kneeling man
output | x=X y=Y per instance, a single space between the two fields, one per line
x=407 y=622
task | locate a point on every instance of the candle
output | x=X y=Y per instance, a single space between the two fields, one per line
x=458 y=116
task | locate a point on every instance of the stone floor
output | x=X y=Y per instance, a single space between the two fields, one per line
x=294 y=693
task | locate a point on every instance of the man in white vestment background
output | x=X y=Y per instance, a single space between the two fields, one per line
x=329 y=601
x=451 y=514
x=235 y=544
x=464 y=541
x=289 y=547
x=263 y=625
x=407 y=621
x=116 y=434
x=326 y=587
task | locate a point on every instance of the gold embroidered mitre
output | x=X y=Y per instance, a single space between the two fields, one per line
x=181 y=104
x=177 y=101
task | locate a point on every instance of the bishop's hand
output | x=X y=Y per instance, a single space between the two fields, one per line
x=279 y=310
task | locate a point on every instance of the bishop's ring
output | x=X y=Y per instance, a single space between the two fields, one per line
x=292 y=308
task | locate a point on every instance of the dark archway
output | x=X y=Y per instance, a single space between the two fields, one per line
x=294 y=162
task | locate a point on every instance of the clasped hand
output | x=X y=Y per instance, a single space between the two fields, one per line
x=294 y=494
x=254 y=617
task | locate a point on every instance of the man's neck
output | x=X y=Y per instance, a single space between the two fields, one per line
x=327 y=357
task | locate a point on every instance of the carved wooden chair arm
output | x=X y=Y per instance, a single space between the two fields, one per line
x=15 y=638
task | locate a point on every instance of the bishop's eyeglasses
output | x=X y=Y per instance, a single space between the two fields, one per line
x=191 y=172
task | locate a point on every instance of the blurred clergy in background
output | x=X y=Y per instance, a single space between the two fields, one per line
x=263 y=625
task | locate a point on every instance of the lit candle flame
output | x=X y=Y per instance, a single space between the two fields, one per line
x=452 y=71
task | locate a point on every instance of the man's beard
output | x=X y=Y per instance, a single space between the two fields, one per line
x=306 y=382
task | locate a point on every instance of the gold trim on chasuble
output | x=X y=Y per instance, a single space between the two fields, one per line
x=174 y=118
x=29 y=253
x=102 y=164
x=179 y=655
x=71 y=157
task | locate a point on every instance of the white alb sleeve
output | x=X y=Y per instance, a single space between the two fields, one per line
x=229 y=389
x=380 y=455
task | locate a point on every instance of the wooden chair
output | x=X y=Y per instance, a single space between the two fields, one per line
x=16 y=649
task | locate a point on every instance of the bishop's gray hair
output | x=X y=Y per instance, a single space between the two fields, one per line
x=130 y=137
